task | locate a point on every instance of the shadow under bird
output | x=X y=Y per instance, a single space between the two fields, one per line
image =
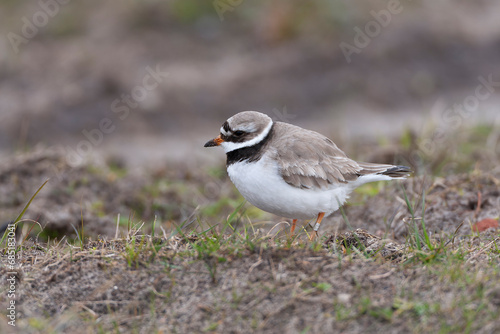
x=290 y=171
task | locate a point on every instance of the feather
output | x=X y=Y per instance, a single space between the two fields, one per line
x=310 y=160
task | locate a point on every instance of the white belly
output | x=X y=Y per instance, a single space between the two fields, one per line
x=260 y=183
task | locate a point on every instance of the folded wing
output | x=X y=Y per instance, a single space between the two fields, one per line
x=310 y=160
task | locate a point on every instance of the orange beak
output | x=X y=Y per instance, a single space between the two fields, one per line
x=214 y=142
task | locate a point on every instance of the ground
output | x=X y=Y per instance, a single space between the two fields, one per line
x=186 y=256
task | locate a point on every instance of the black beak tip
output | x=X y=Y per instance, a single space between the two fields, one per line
x=210 y=143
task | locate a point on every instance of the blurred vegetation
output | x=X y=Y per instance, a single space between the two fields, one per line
x=276 y=21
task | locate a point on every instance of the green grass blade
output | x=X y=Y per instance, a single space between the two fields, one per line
x=18 y=219
x=78 y=236
x=412 y=212
x=153 y=229
x=424 y=230
x=29 y=203
x=231 y=217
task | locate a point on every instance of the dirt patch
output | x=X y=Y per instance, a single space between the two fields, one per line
x=452 y=205
x=366 y=243
x=166 y=287
x=96 y=193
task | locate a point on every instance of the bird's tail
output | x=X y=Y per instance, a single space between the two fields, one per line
x=395 y=172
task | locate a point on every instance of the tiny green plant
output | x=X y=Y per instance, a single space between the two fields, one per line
x=153 y=228
x=420 y=242
x=79 y=236
x=18 y=219
x=133 y=250
x=415 y=237
x=323 y=286
x=232 y=218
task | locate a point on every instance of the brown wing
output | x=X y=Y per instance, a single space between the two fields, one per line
x=310 y=160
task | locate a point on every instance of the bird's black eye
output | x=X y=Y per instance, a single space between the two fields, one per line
x=239 y=133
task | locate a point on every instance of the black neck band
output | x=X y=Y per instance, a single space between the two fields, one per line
x=250 y=153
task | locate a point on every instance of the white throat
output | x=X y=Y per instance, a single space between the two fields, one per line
x=230 y=146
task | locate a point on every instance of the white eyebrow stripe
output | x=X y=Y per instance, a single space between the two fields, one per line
x=224 y=132
x=230 y=146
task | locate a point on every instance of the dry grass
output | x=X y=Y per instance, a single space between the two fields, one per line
x=249 y=281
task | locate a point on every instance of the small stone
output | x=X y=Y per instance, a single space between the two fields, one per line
x=344 y=298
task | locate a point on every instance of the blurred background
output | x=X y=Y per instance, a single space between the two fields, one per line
x=345 y=68
x=142 y=85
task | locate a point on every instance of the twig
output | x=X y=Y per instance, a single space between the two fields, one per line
x=485 y=248
x=117 y=225
x=478 y=208
x=272 y=228
x=273 y=269
x=255 y=265
x=164 y=233
x=88 y=310
x=387 y=274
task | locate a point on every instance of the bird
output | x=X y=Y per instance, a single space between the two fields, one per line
x=290 y=171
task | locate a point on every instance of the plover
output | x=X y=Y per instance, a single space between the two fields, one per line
x=290 y=171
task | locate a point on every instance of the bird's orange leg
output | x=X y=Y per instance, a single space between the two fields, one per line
x=314 y=233
x=294 y=223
